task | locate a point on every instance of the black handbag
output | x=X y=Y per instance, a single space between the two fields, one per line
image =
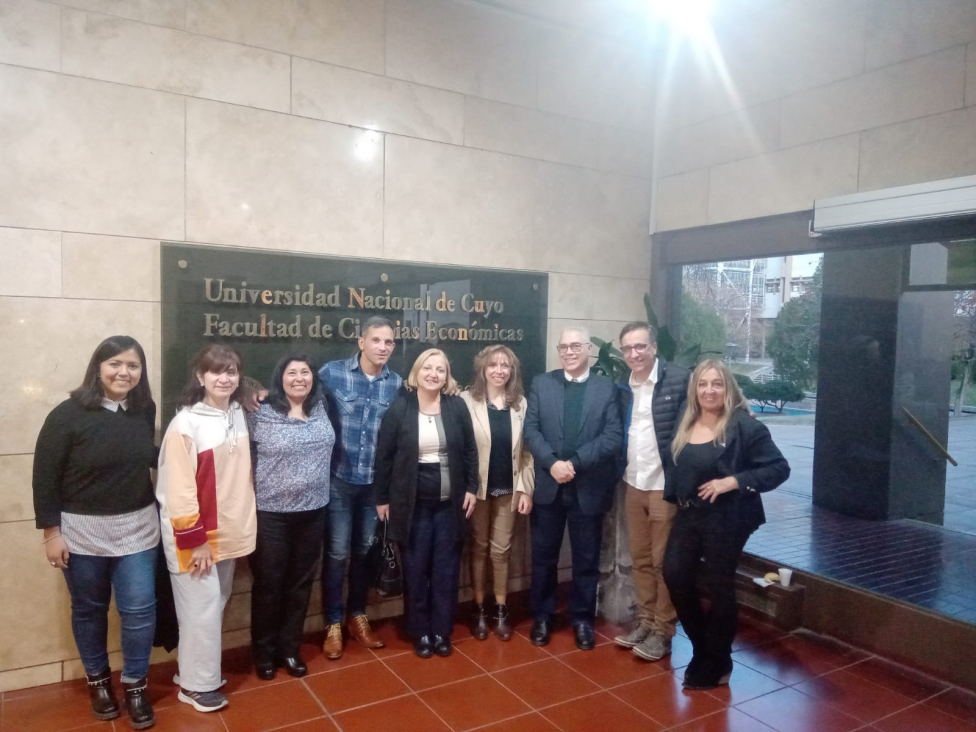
x=384 y=566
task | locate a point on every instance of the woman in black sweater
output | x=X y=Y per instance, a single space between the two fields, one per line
x=93 y=498
x=426 y=485
x=721 y=459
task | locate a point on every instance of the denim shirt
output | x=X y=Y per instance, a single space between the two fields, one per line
x=357 y=406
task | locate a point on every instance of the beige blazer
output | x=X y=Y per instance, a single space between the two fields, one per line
x=523 y=467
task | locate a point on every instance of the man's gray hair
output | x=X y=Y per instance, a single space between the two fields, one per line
x=583 y=332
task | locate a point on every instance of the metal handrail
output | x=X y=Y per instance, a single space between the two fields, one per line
x=931 y=438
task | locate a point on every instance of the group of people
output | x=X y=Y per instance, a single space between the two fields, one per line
x=324 y=455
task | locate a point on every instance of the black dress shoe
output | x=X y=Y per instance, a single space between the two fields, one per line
x=585 y=638
x=479 y=622
x=265 y=670
x=293 y=665
x=442 y=645
x=424 y=646
x=540 y=633
x=707 y=676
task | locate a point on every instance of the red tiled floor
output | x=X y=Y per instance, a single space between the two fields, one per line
x=788 y=710
x=534 y=722
x=561 y=639
x=923 y=718
x=272 y=706
x=406 y=714
x=473 y=703
x=546 y=682
x=663 y=699
x=598 y=712
x=494 y=655
x=854 y=696
x=753 y=633
x=355 y=686
x=728 y=720
x=424 y=673
x=610 y=665
x=793 y=683
x=391 y=633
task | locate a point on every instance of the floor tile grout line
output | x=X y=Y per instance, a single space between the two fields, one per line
x=642 y=713
x=317 y=700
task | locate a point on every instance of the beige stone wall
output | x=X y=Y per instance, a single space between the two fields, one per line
x=492 y=139
x=817 y=98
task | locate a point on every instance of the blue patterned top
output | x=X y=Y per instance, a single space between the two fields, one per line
x=291 y=459
x=357 y=406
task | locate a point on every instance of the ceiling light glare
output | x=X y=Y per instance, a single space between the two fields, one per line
x=685 y=18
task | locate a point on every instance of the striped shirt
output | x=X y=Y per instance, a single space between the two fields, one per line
x=111 y=536
x=357 y=405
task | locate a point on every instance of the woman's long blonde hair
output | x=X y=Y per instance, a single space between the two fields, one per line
x=693 y=411
x=450 y=385
x=513 y=389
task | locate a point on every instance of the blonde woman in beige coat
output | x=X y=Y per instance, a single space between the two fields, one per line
x=506 y=478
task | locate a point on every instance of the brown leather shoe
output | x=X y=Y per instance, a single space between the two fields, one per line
x=332 y=648
x=358 y=627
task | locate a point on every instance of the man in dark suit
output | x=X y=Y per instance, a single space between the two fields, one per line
x=574 y=432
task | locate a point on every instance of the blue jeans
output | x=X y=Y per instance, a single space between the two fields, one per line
x=90 y=582
x=351 y=521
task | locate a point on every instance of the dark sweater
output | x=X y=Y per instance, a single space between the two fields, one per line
x=572 y=414
x=93 y=462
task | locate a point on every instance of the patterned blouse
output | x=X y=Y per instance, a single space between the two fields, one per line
x=291 y=459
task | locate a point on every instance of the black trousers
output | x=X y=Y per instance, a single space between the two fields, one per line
x=585 y=539
x=711 y=533
x=283 y=567
x=431 y=569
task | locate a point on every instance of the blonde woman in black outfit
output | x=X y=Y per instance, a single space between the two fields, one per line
x=721 y=459
x=93 y=498
x=427 y=485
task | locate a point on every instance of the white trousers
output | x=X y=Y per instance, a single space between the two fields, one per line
x=200 y=603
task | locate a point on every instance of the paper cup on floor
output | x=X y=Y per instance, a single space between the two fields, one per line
x=785 y=576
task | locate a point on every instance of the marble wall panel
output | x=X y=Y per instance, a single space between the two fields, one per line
x=681 y=201
x=455 y=205
x=138 y=54
x=619 y=299
x=30 y=263
x=505 y=128
x=916 y=88
x=344 y=32
x=34 y=388
x=83 y=155
x=971 y=75
x=942 y=146
x=23 y=678
x=587 y=77
x=784 y=181
x=171 y=13
x=570 y=296
x=733 y=136
x=30 y=34
x=627 y=152
x=261 y=179
x=903 y=29
x=366 y=100
x=475 y=51
x=134 y=264
x=16 y=495
x=34 y=617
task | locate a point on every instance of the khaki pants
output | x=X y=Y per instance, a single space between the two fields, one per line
x=649 y=519
x=492 y=524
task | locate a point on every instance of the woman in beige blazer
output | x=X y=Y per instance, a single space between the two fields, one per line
x=506 y=478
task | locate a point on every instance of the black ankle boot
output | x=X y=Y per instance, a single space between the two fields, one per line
x=141 y=715
x=479 y=622
x=103 y=702
x=503 y=627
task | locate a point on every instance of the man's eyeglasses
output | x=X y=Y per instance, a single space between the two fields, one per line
x=565 y=348
x=637 y=348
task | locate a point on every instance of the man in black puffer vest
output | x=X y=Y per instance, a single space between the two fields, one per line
x=652 y=397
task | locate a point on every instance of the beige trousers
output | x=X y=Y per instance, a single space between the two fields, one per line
x=649 y=519
x=492 y=524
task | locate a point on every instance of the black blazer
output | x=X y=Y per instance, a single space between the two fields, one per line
x=753 y=458
x=398 y=452
x=600 y=440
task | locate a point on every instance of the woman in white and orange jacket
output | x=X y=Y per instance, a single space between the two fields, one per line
x=205 y=492
x=506 y=478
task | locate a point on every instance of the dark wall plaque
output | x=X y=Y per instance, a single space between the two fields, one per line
x=267 y=304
